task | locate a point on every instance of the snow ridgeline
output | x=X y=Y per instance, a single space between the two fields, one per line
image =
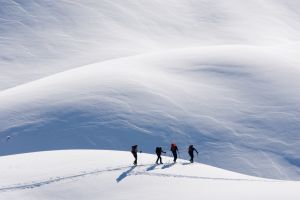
x=87 y=174
x=239 y=105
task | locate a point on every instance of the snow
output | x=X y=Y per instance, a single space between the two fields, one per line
x=40 y=38
x=90 y=174
x=241 y=117
x=107 y=74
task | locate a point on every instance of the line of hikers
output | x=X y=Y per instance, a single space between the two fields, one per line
x=159 y=151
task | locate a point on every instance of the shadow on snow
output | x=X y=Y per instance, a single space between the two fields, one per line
x=125 y=174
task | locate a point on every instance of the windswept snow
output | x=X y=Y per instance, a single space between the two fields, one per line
x=39 y=38
x=107 y=175
x=222 y=75
x=242 y=117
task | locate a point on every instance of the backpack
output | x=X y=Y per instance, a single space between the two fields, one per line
x=191 y=148
x=173 y=147
x=158 y=150
x=134 y=148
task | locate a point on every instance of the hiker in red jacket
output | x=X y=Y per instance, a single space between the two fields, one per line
x=174 y=150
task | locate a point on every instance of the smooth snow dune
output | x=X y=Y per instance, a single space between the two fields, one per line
x=239 y=105
x=40 y=38
x=108 y=175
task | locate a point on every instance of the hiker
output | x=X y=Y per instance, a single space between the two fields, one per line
x=191 y=152
x=174 y=150
x=134 y=151
x=158 y=153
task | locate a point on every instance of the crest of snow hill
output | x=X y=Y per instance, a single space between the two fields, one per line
x=222 y=75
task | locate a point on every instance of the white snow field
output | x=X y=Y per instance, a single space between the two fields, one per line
x=107 y=74
x=88 y=174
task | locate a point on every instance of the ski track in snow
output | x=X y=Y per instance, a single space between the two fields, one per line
x=129 y=172
x=198 y=177
x=56 y=179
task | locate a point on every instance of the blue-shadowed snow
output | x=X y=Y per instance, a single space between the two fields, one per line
x=241 y=117
x=87 y=74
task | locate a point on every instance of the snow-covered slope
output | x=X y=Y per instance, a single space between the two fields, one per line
x=222 y=75
x=107 y=175
x=242 y=117
x=39 y=38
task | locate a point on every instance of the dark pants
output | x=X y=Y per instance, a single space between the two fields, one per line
x=174 y=155
x=192 y=156
x=135 y=157
x=159 y=159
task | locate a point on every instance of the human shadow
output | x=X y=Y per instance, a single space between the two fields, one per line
x=187 y=163
x=168 y=165
x=152 y=167
x=125 y=174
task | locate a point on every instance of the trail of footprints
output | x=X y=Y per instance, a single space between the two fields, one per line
x=145 y=170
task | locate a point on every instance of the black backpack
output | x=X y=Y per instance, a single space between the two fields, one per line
x=134 y=148
x=158 y=150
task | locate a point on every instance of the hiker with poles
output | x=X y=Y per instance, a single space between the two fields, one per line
x=134 y=151
x=174 y=150
x=158 y=152
x=191 y=152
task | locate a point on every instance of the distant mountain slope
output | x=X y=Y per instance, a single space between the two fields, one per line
x=108 y=175
x=40 y=38
x=238 y=104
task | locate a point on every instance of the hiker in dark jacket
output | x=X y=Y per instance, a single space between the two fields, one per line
x=191 y=152
x=134 y=151
x=158 y=152
x=174 y=150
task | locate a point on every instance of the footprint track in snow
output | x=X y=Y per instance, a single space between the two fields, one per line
x=130 y=171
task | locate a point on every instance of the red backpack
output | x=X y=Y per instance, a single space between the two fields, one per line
x=173 y=147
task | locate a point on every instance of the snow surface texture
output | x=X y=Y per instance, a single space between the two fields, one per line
x=43 y=37
x=222 y=75
x=106 y=175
